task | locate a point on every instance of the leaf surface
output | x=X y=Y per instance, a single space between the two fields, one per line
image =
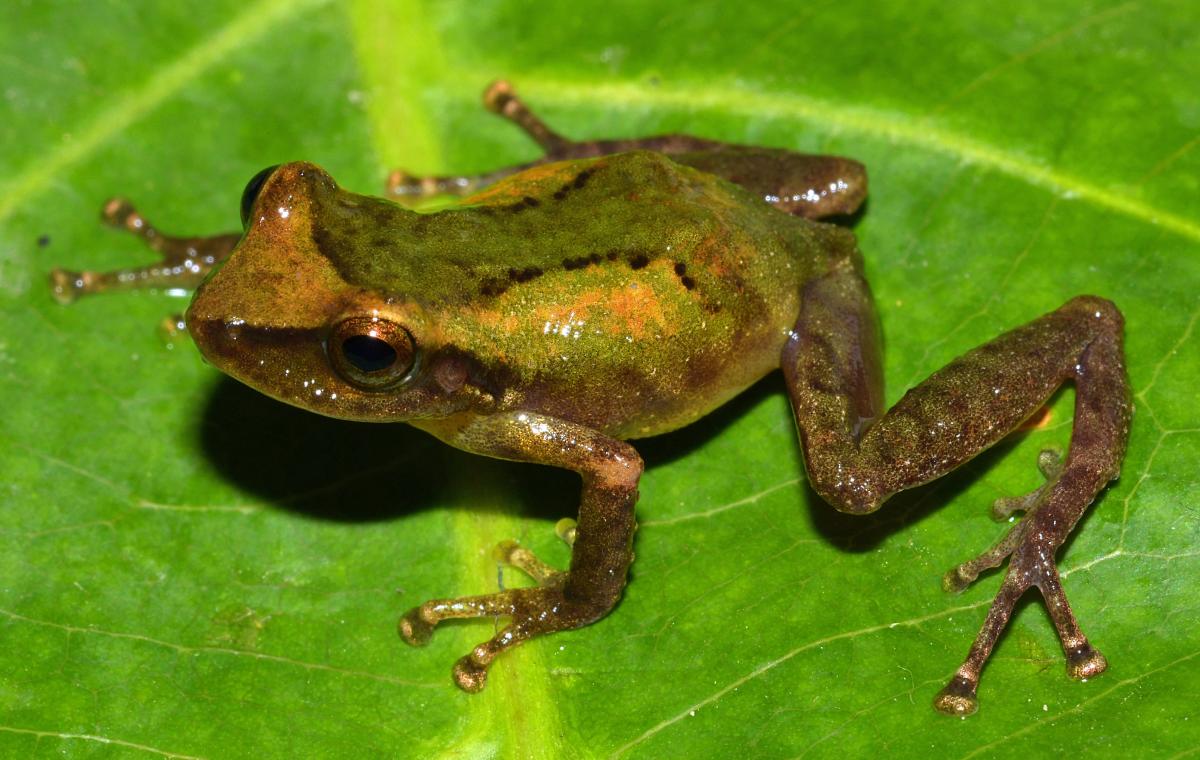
x=190 y=569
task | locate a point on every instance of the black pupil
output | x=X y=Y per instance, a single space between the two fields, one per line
x=250 y=194
x=367 y=353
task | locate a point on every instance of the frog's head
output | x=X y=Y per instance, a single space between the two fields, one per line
x=281 y=314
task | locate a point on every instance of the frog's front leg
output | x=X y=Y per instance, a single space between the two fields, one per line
x=185 y=260
x=602 y=541
x=857 y=455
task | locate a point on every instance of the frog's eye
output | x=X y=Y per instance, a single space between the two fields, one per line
x=250 y=194
x=370 y=352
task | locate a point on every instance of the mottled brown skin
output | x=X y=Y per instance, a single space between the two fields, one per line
x=619 y=289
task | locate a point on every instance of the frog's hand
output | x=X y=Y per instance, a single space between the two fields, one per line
x=857 y=455
x=185 y=260
x=602 y=540
x=800 y=184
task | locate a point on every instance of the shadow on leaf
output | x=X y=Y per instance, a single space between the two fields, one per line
x=359 y=472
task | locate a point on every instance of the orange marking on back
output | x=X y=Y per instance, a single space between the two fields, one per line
x=634 y=306
x=543 y=179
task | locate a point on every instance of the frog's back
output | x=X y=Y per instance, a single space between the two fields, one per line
x=628 y=292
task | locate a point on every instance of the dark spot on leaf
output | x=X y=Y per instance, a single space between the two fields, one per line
x=639 y=261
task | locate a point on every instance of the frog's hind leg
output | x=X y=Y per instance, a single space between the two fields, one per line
x=185 y=260
x=500 y=98
x=600 y=543
x=805 y=185
x=857 y=455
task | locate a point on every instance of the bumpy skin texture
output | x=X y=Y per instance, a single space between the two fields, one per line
x=617 y=289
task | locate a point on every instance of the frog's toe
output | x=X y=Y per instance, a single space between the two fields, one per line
x=1050 y=465
x=403 y=186
x=957 y=698
x=1085 y=661
x=414 y=629
x=469 y=675
x=566 y=530
x=964 y=575
x=67 y=286
x=514 y=555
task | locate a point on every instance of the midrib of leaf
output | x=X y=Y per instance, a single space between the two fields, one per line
x=891 y=126
x=399 y=54
x=126 y=108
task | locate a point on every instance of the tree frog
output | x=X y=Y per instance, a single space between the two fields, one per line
x=618 y=289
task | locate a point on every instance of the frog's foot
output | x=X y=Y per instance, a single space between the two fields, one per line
x=1032 y=565
x=501 y=99
x=1031 y=545
x=961 y=576
x=534 y=611
x=184 y=262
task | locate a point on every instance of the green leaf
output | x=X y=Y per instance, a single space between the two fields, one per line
x=190 y=569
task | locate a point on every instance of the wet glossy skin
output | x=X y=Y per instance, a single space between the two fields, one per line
x=619 y=289
x=625 y=293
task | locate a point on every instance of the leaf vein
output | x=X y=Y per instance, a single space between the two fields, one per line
x=845 y=635
x=893 y=126
x=1079 y=708
x=95 y=738
x=257 y=19
x=186 y=649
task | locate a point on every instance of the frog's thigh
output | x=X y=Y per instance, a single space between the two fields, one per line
x=812 y=186
x=602 y=549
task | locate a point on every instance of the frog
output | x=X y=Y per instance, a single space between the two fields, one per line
x=617 y=289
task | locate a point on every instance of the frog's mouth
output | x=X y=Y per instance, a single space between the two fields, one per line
x=291 y=365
